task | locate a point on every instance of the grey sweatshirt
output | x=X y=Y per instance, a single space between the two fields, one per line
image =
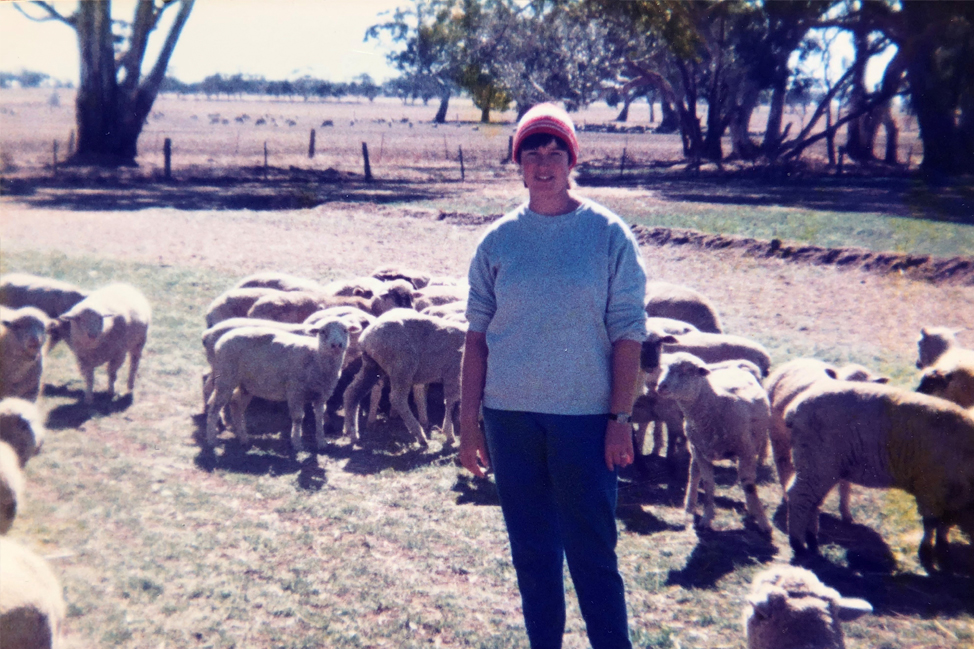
x=552 y=295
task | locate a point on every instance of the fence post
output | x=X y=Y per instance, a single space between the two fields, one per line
x=622 y=163
x=311 y=145
x=510 y=149
x=167 y=156
x=71 y=143
x=365 y=157
x=54 y=149
x=265 y=159
x=462 y=174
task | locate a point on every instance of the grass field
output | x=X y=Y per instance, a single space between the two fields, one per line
x=160 y=545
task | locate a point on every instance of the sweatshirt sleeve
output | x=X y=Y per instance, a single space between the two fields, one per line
x=625 y=315
x=481 y=302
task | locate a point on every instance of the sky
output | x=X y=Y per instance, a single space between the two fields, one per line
x=278 y=39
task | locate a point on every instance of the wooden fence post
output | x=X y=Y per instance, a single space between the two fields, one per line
x=265 y=159
x=167 y=156
x=311 y=145
x=622 y=163
x=462 y=174
x=71 y=143
x=54 y=148
x=365 y=157
x=510 y=149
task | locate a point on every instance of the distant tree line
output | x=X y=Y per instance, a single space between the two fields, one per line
x=305 y=88
x=31 y=79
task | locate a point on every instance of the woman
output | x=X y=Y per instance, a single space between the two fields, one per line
x=552 y=353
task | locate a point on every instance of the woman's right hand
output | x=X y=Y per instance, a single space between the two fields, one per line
x=473 y=448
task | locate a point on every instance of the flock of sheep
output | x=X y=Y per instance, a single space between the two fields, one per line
x=290 y=339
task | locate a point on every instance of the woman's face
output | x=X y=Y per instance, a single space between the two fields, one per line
x=545 y=169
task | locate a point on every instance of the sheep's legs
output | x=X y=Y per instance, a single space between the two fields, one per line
x=934 y=546
x=296 y=409
x=374 y=398
x=399 y=399
x=707 y=476
x=845 y=493
x=113 y=365
x=451 y=412
x=135 y=356
x=238 y=414
x=747 y=472
x=693 y=485
x=367 y=376
x=804 y=500
x=781 y=453
x=419 y=396
x=220 y=397
x=88 y=374
x=319 y=410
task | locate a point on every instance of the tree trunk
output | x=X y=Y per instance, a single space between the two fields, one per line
x=830 y=136
x=892 y=138
x=859 y=144
x=440 y=117
x=742 y=146
x=485 y=114
x=623 y=115
x=670 y=121
x=772 y=131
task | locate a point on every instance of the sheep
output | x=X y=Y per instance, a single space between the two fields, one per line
x=438 y=295
x=108 y=324
x=22 y=427
x=714 y=348
x=235 y=303
x=32 y=608
x=671 y=326
x=11 y=486
x=664 y=299
x=51 y=296
x=951 y=378
x=727 y=415
x=783 y=386
x=357 y=319
x=880 y=437
x=279 y=366
x=213 y=335
x=417 y=278
x=450 y=310
x=933 y=342
x=278 y=281
x=22 y=335
x=411 y=349
x=788 y=607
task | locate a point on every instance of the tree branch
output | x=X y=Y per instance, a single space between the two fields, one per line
x=152 y=82
x=52 y=13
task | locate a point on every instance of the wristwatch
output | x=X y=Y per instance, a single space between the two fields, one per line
x=621 y=417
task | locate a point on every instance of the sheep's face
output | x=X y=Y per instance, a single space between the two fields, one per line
x=30 y=331
x=395 y=295
x=87 y=326
x=333 y=336
x=651 y=349
x=682 y=377
x=933 y=342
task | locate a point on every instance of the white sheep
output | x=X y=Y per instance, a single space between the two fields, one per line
x=951 y=378
x=439 y=295
x=235 y=303
x=11 y=486
x=451 y=311
x=672 y=326
x=727 y=415
x=278 y=281
x=714 y=348
x=880 y=437
x=667 y=300
x=933 y=342
x=784 y=385
x=108 y=324
x=51 y=296
x=411 y=349
x=789 y=608
x=278 y=366
x=22 y=335
x=417 y=278
x=32 y=608
x=22 y=426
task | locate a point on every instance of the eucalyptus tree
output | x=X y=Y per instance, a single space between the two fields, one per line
x=114 y=96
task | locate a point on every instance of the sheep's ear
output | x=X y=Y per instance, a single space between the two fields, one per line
x=704 y=371
x=353 y=327
x=361 y=292
x=882 y=380
x=669 y=339
x=832 y=373
x=761 y=603
x=850 y=608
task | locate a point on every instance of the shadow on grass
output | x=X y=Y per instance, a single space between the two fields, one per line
x=472 y=490
x=719 y=553
x=901 y=593
x=73 y=415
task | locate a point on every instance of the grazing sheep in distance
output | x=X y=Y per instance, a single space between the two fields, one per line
x=933 y=342
x=32 y=609
x=278 y=281
x=411 y=349
x=667 y=300
x=51 y=296
x=235 y=303
x=278 y=366
x=789 y=608
x=727 y=415
x=11 y=486
x=108 y=324
x=22 y=427
x=22 y=335
x=880 y=437
x=787 y=383
x=388 y=273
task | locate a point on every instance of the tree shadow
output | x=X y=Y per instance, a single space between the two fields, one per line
x=639 y=521
x=719 y=553
x=74 y=415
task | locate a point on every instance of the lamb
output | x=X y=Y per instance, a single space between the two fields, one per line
x=787 y=383
x=108 y=324
x=438 y=295
x=278 y=282
x=417 y=278
x=411 y=349
x=11 y=486
x=235 y=303
x=714 y=348
x=788 y=607
x=667 y=300
x=21 y=426
x=934 y=342
x=727 y=415
x=32 y=608
x=278 y=366
x=22 y=335
x=880 y=437
x=51 y=296
x=951 y=378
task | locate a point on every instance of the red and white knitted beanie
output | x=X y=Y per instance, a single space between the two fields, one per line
x=550 y=119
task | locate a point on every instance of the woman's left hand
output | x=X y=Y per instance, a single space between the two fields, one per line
x=618 y=445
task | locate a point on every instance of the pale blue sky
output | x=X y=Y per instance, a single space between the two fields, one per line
x=277 y=39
